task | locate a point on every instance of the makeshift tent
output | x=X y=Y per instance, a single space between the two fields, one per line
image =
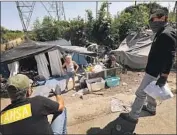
x=133 y=51
x=25 y=50
x=38 y=49
x=32 y=48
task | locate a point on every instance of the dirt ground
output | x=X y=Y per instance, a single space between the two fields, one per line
x=95 y=110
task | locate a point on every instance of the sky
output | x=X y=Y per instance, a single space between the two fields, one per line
x=10 y=18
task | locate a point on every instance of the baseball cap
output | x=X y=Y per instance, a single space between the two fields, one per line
x=159 y=13
x=19 y=81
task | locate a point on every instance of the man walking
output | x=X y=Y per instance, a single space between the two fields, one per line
x=29 y=115
x=160 y=61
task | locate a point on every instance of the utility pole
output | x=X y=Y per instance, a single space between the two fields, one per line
x=108 y=9
x=96 y=10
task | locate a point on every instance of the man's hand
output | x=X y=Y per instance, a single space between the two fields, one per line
x=57 y=90
x=59 y=99
x=161 y=81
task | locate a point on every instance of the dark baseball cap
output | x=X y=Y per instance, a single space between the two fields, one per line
x=159 y=13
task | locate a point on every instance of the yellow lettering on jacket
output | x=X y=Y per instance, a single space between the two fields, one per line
x=16 y=114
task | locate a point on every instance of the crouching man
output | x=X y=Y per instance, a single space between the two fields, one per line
x=29 y=115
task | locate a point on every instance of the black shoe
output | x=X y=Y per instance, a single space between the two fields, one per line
x=51 y=93
x=146 y=109
x=64 y=91
x=127 y=117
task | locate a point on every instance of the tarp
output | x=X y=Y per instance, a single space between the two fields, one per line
x=60 y=42
x=78 y=49
x=32 y=48
x=25 y=50
x=133 y=51
x=44 y=90
x=79 y=59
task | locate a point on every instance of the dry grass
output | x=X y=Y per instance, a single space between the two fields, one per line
x=11 y=44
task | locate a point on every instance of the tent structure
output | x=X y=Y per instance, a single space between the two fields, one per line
x=134 y=49
x=40 y=51
x=33 y=48
x=25 y=50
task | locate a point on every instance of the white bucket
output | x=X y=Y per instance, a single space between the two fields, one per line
x=158 y=93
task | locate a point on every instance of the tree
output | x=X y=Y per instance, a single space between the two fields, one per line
x=89 y=26
x=8 y=35
x=133 y=18
x=101 y=28
x=105 y=30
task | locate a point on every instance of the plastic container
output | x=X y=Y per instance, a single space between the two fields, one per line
x=95 y=84
x=112 y=81
x=158 y=93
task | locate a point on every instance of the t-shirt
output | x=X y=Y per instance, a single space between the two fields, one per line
x=28 y=116
x=162 y=53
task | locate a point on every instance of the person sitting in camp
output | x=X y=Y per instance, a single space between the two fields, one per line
x=111 y=62
x=71 y=68
x=28 y=115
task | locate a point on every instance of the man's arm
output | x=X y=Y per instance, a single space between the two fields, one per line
x=60 y=102
x=169 y=52
x=49 y=106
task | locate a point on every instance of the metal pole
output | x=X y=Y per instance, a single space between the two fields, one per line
x=63 y=11
x=107 y=9
x=96 y=9
x=21 y=18
x=57 y=11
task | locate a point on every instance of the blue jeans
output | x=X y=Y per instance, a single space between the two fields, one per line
x=59 y=123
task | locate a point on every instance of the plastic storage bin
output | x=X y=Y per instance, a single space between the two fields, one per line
x=112 y=81
x=95 y=84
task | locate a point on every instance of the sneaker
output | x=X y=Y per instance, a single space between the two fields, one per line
x=51 y=93
x=64 y=91
x=127 y=117
x=146 y=109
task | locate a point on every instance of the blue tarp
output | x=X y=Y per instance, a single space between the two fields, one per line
x=50 y=84
x=79 y=59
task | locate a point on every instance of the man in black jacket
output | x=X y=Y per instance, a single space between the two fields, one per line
x=160 y=61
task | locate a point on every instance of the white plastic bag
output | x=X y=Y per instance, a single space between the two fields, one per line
x=158 y=93
x=98 y=68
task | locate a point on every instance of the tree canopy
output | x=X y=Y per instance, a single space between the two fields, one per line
x=105 y=30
